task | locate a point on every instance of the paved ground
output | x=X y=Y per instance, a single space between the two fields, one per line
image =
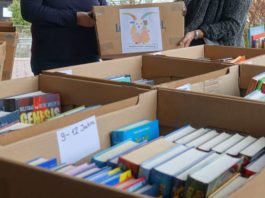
x=21 y=68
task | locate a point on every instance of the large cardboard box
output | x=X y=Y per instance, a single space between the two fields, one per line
x=173 y=108
x=109 y=32
x=72 y=92
x=213 y=52
x=233 y=81
x=2 y=57
x=9 y=35
x=161 y=69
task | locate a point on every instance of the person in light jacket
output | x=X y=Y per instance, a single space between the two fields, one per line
x=63 y=32
x=219 y=22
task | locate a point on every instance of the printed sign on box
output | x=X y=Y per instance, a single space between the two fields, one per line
x=140 y=30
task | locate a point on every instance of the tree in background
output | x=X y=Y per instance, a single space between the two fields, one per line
x=257 y=13
x=16 y=14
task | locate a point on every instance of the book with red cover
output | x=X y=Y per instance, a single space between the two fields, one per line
x=34 y=109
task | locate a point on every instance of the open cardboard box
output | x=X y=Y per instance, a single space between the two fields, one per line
x=2 y=57
x=9 y=35
x=72 y=92
x=109 y=35
x=213 y=52
x=233 y=81
x=260 y=60
x=173 y=109
x=161 y=69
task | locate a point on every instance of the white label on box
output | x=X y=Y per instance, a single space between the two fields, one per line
x=140 y=30
x=78 y=140
x=69 y=72
x=7 y=13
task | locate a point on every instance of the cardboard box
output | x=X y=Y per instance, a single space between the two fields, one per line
x=233 y=81
x=161 y=69
x=213 y=52
x=2 y=57
x=72 y=92
x=173 y=109
x=10 y=36
x=109 y=34
x=260 y=60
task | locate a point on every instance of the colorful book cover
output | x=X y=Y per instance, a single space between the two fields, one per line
x=9 y=119
x=137 y=132
x=135 y=185
x=118 y=178
x=34 y=110
x=254 y=82
x=101 y=173
x=107 y=175
x=48 y=164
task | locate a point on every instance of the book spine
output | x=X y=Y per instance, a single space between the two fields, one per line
x=138 y=184
x=9 y=119
x=117 y=137
x=126 y=165
x=163 y=181
x=178 y=188
x=195 y=188
x=143 y=172
x=98 y=163
x=10 y=105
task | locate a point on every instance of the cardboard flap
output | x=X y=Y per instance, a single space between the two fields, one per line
x=109 y=35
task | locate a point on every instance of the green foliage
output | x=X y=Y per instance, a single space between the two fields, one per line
x=17 y=18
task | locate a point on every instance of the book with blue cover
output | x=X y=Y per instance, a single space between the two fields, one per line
x=137 y=132
x=147 y=166
x=48 y=164
x=163 y=175
x=105 y=175
x=117 y=178
x=102 y=158
x=8 y=118
x=99 y=174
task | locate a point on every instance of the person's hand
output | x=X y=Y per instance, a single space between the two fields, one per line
x=188 y=38
x=84 y=20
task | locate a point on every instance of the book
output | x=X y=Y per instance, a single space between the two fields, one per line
x=67 y=113
x=227 y=144
x=179 y=133
x=214 y=142
x=208 y=179
x=104 y=174
x=145 y=82
x=14 y=127
x=203 y=139
x=101 y=158
x=149 y=190
x=66 y=168
x=180 y=180
x=134 y=159
x=194 y=135
x=147 y=166
x=36 y=161
x=138 y=183
x=79 y=169
x=114 y=161
x=229 y=187
x=88 y=173
x=255 y=167
x=163 y=175
x=117 y=178
x=137 y=132
x=48 y=164
x=121 y=78
x=36 y=109
x=256 y=95
x=253 y=151
x=237 y=148
x=8 y=118
x=124 y=184
x=254 y=82
x=254 y=31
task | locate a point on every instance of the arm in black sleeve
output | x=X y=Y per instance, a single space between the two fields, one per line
x=35 y=12
x=233 y=17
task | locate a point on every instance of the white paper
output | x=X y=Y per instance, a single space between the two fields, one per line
x=140 y=30
x=78 y=141
x=7 y=13
x=69 y=72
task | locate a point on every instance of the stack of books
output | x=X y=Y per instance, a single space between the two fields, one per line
x=188 y=163
x=256 y=88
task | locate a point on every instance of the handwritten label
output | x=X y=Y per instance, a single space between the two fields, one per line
x=69 y=72
x=78 y=141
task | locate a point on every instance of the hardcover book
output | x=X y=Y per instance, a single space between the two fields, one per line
x=137 y=132
x=36 y=109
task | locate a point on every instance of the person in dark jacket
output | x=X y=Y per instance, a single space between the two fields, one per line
x=63 y=32
x=219 y=22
